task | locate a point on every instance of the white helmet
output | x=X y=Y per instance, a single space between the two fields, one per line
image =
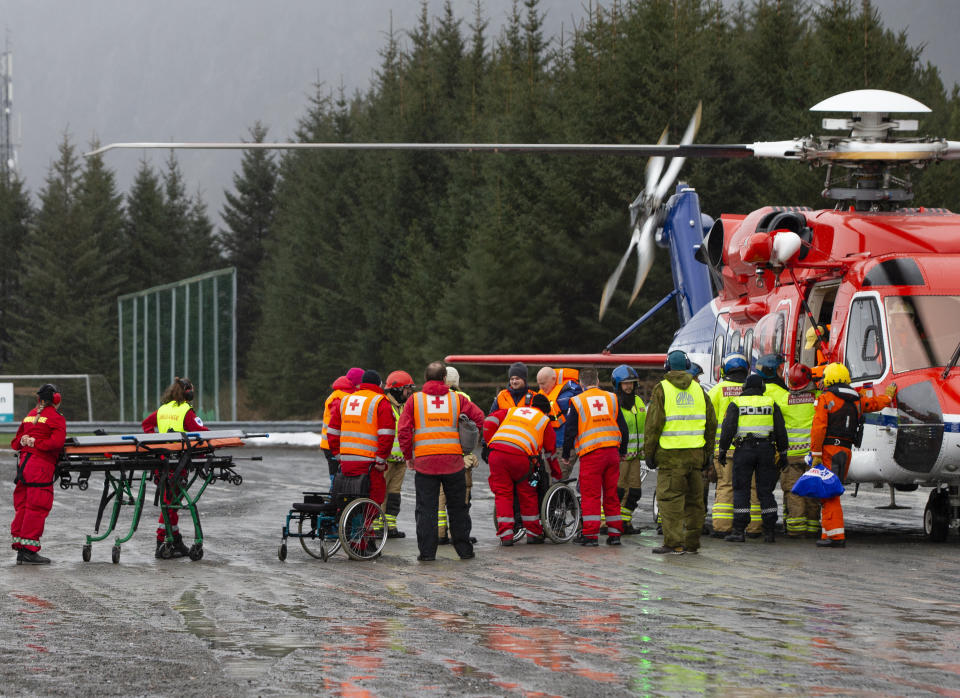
x=453 y=377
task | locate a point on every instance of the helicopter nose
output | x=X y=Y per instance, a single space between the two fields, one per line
x=920 y=428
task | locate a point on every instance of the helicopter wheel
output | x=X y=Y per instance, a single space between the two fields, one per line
x=936 y=516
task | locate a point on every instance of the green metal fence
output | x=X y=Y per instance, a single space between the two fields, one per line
x=187 y=328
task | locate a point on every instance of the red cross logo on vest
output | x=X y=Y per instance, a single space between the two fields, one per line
x=525 y=412
x=598 y=407
x=438 y=403
x=355 y=405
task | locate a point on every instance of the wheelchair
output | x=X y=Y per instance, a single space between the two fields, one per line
x=559 y=509
x=326 y=521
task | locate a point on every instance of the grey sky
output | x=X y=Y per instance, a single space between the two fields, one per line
x=118 y=70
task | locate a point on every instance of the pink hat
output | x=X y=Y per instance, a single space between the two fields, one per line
x=354 y=375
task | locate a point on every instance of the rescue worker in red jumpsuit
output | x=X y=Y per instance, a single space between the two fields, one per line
x=596 y=427
x=39 y=440
x=174 y=414
x=516 y=437
x=836 y=423
x=361 y=432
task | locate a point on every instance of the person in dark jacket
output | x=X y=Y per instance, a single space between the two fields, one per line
x=754 y=424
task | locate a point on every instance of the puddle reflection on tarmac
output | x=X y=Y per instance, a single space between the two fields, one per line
x=877 y=618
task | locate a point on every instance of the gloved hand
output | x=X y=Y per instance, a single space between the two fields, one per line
x=707 y=461
x=485 y=453
x=782 y=460
x=891 y=390
x=722 y=458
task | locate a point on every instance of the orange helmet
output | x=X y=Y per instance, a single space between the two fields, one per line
x=799 y=377
x=399 y=379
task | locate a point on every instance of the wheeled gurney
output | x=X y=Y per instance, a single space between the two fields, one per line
x=181 y=465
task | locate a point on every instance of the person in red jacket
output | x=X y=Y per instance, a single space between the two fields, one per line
x=174 y=414
x=365 y=446
x=429 y=437
x=39 y=440
x=516 y=437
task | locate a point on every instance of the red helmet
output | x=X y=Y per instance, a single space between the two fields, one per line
x=799 y=377
x=399 y=379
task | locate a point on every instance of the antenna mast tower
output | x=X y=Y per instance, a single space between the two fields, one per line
x=8 y=155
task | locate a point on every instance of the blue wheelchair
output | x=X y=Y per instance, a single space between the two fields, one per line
x=327 y=521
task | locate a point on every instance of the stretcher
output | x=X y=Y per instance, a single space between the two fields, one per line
x=180 y=464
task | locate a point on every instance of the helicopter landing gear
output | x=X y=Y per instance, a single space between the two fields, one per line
x=939 y=513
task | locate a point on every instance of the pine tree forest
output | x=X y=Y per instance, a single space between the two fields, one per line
x=390 y=260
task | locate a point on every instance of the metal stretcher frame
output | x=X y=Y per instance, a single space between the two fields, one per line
x=177 y=462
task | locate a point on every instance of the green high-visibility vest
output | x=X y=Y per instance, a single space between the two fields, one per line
x=686 y=416
x=170 y=416
x=720 y=395
x=798 y=408
x=756 y=416
x=636 y=418
x=395 y=453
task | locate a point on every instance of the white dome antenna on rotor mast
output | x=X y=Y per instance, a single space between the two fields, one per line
x=871 y=111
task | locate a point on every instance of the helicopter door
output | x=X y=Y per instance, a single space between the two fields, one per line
x=820 y=301
x=865 y=353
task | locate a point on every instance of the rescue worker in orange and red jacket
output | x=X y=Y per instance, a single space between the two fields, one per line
x=836 y=422
x=516 y=437
x=39 y=440
x=174 y=414
x=517 y=394
x=598 y=431
x=344 y=385
x=361 y=432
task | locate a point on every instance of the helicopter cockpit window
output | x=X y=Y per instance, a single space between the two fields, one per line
x=769 y=334
x=733 y=345
x=924 y=330
x=865 y=353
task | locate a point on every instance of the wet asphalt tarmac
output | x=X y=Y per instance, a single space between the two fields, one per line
x=878 y=618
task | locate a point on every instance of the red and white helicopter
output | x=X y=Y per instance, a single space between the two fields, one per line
x=881 y=275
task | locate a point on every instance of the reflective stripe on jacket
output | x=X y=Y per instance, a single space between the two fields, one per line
x=597 y=420
x=522 y=428
x=685 y=413
x=798 y=410
x=170 y=416
x=358 y=426
x=720 y=395
x=435 y=424
x=324 y=442
x=756 y=416
x=635 y=417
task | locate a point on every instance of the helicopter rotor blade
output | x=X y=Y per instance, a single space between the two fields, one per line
x=655 y=167
x=645 y=253
x=614 y=279
x=676 y=163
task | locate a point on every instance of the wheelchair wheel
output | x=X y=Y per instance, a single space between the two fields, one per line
x=316 y=540
x=560 y=513
x=363 y=529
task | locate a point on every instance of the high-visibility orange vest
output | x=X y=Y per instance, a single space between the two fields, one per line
x=435 y=424
x=597 y=412
x=556 y=416
x=324 y=443
x=505 y=400
x=565 y=375
x=523 y=428
x=358 y=426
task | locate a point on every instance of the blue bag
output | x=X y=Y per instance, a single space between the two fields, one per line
x=819 y=483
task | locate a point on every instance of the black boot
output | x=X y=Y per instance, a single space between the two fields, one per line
x=736 y=536
x=30 y=557
x=179 y=549
x=769 y=536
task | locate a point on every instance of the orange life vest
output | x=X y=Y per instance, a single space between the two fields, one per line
x=324 y=443
x=358 y=426
x=505 y=400
x=597 y=413
x=435 y=424
x=523 y=428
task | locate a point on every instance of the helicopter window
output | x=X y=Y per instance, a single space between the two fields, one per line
x=769 y=334
x=901 y=271
x=734 y=342
x=747 y=342
x=717 y=356
x=864 y=349
x=924 y=330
